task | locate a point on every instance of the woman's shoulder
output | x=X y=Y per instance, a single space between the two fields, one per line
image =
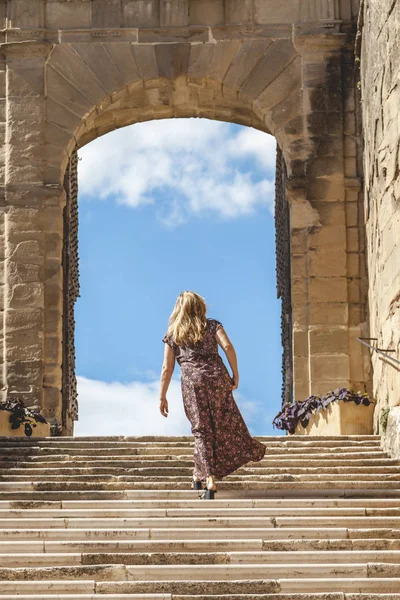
x=214 y=323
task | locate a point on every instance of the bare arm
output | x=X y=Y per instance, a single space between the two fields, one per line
x=167 y=370
x=227 y=346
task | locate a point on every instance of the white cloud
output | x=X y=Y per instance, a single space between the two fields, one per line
x=128 y=409
x=193 y=166
x=131 y=409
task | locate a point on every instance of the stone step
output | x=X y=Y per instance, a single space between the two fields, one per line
x=207 y=588
x=209 y=572
x=270 y=491
x=318 y=518
x=280 y=437
x=187 y=463
x=22 y=482
x=140 y=513
x=285 y=446
x=135 y=546
x=176 y=522
x=188 y=500
x=76 y=452
x=184 y=533
x=186 y=470
x=278 y=596
x=362 y=557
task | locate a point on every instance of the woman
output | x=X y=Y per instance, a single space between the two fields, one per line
x=222 y=440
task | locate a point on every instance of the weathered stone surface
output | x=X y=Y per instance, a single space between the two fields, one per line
x=380 y=100
x=137 y=13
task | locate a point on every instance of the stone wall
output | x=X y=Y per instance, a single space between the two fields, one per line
x=379 y=32
x=73 y=70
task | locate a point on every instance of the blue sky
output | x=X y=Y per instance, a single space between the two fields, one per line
x=166 y=206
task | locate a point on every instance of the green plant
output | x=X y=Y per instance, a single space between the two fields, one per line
x=383 y=419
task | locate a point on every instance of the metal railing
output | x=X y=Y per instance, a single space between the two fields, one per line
x=381 y=351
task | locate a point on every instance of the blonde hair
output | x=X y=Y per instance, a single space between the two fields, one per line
x=187 y=323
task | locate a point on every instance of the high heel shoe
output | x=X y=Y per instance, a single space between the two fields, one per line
x=209 y=492
x=197 y=484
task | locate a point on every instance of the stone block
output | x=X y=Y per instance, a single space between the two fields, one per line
x=60 y=116
x=53 y=272
x=328 y=313
x=301 y=390
x=53 y=349
x=23 y=219
x=300 y=368
x=53 y=376
x=26 y=14
x=299 y=266
x=353 y=265
x=327 y=263
x=27 y=322
x=26 y=78
x=357 y=314
x=330 y=213
x=298 y=241
x=302 y=214
x=206 y=12
x=351 y=214
x=32 y=344
x=53 y=245
x=106 y=13
x=23 y=374
x=66 y=61
x=349 y=123
x=238 y=12
x=300 y=343
x=269 y=67
x=121 y=55
x=350 y=166
x=340 y=418
x=146 y=61
x=59 y=90
x=53 y=322
x=299 y=314
x=299 y=291
x=322 y=288
x=287 y=82
x=52 y=403
x=354 y=291
x=172 y=59
x=288 y=109
x=141 y=13
x=327 y=237
x=27 y=251
x=244 y=62
x=174 y=12
x=221 y=59
x=332 y=367
x=276 y=11
x=26 y=295
x=68 y=15
x=101 y=66
x=53 y=297
x=329 y=340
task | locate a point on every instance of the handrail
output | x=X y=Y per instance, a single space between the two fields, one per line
x=381 y=351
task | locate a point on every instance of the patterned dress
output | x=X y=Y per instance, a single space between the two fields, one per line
x=222 y=441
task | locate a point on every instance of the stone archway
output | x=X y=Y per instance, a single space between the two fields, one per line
x=76 y=70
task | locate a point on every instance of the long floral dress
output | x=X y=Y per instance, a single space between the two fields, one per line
x=222 y=441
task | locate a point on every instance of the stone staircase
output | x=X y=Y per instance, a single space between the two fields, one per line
x=318 y=518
